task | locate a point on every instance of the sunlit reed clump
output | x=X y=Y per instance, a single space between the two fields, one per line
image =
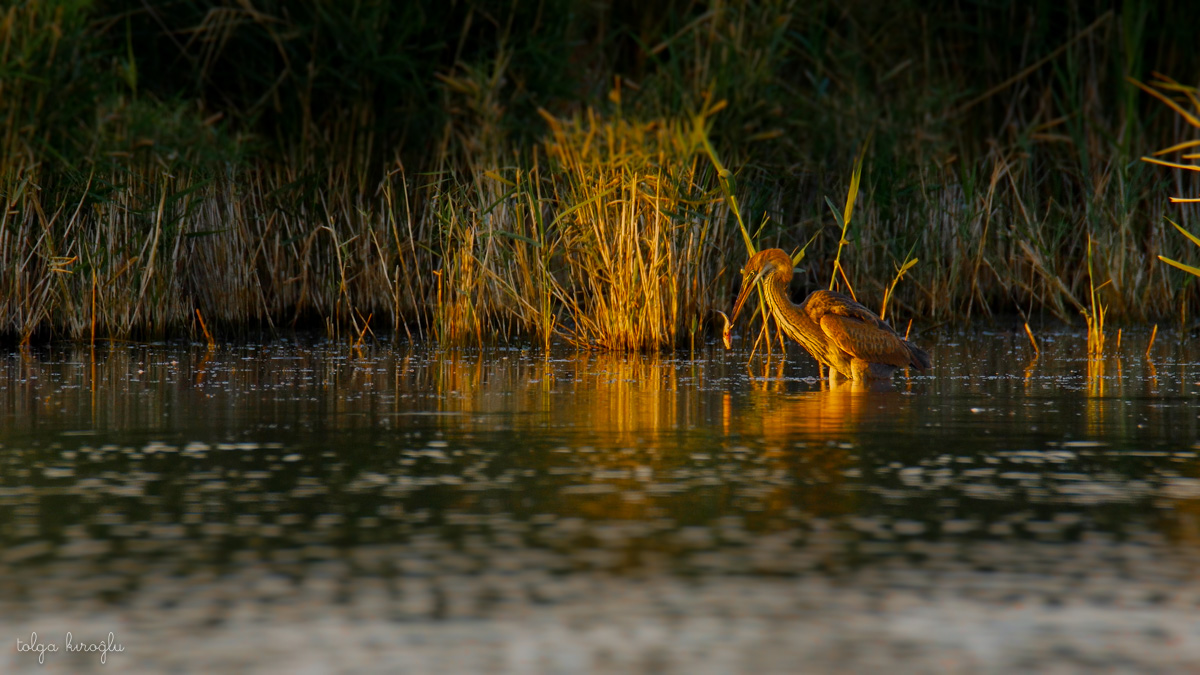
x=642 y=231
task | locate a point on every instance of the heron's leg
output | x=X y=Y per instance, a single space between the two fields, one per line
x=860 y=369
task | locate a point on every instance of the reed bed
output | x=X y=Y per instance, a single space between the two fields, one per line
x=645 y=234
x=481 y=171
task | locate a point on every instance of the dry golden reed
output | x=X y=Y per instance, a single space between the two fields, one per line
x=1161 y=88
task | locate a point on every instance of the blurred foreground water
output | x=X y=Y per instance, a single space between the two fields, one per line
x=309 y=507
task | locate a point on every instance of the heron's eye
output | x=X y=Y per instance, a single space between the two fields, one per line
x=742 y=271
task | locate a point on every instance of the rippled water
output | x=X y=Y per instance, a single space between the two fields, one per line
x=169 y=487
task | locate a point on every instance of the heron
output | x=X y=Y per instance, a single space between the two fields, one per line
x=851 y=340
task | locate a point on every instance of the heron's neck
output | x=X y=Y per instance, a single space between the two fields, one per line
x=795 y=323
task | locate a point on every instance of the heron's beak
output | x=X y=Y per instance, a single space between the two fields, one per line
x=746 y=288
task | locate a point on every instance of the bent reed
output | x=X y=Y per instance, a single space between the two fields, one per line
x=483 y=170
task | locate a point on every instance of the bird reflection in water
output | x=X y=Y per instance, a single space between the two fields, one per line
x=814 y=436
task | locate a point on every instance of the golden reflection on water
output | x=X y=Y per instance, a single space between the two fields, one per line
x=631 y=396
x=827 y=419
x=627 y=399
x=608 y=435
x=625 y=395
x=1096 y=405
x=639 y=406
x=1095 y=376
x=832 y=412
x=1030 y=369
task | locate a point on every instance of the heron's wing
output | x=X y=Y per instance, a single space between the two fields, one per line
x=822 y=303
x=865 y=340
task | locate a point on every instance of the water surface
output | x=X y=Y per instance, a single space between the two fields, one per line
x=174 y=489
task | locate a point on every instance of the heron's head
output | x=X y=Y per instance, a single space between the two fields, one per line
x=770 y=263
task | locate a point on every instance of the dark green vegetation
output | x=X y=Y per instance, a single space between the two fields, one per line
x=471 y=170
